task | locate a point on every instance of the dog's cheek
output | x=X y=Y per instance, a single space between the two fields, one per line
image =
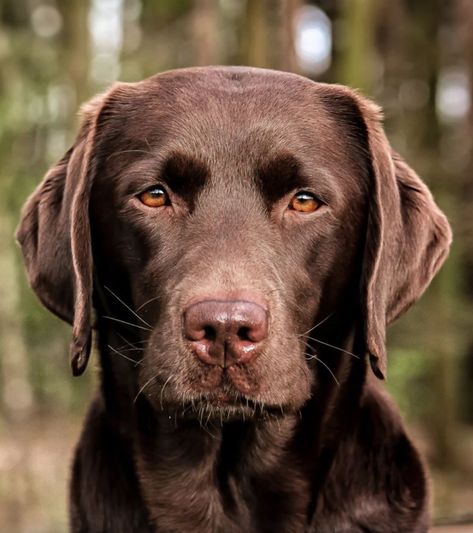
x=284 y=377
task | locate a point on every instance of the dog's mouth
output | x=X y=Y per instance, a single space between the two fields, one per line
x=223 y=405
x=213 y=392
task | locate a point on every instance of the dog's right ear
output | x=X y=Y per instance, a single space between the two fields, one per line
x=54 y=235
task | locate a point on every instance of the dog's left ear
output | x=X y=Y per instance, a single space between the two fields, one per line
x=408 y=238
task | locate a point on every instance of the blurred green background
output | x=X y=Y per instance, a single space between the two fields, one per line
x=414 y=57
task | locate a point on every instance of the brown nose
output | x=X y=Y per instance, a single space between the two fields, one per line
x=224 y=332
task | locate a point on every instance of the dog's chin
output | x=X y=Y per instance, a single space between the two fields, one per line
x=221 y=406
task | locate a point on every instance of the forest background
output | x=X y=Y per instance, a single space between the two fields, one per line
x=415 y=58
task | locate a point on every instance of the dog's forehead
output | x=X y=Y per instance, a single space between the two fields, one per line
x=228 y=85
x=231 y=120
x=220 y=106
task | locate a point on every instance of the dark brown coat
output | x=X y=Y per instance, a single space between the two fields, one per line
x=297 y=436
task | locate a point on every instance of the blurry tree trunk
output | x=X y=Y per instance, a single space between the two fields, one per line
x=289 y=10
x=255 y=34
x=205 y=31
x=357 y=35
x=75 y=52
x=422 y=55
x=267 y=34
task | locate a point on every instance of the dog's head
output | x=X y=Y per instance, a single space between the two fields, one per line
x=224 y=213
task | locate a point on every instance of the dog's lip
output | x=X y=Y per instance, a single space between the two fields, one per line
x=223 y=400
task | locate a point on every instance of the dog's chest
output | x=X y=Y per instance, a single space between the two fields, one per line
x=198 y=492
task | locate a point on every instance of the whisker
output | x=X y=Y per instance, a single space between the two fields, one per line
x=205 y=428
x=313 y=356
x=128 y=307
x=124 y=356
x=316 y=325
x=127 y=323
x=144 y=386
x=331 y=346
x=162 y=391
x=148 y=302
x=124 y=349
x=132 y=344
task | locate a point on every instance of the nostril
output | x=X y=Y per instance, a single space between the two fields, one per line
x=244 y=334
x=210 y=333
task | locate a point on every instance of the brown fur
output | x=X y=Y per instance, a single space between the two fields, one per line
x=301 y=437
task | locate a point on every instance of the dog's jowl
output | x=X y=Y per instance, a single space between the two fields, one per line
x=233 y=242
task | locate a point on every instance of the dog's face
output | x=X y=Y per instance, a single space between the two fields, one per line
x=232 y=210
x=237 y=223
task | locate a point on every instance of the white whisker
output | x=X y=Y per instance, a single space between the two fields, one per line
x=316 y=325
x=127 y=306
x=127 y=323
x=313 y=356
x=124 y=356
x=143 y=387
x=148 y=302
x=332 y=346
x=162 y=391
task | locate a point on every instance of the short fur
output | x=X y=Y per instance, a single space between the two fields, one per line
x=304 y=439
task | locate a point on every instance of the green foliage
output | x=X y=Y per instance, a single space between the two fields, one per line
x=409 y=382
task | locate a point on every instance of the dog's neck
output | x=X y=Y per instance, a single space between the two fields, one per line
x=210 y=468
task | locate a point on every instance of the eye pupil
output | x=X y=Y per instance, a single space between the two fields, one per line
x=304 y=202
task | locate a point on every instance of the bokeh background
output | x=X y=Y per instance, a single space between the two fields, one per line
x=415 y=57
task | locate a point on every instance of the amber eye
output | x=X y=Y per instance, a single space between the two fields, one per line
x=304 y=202
x=154 y=197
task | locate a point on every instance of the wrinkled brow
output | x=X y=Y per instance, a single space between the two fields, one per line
x=279 y=176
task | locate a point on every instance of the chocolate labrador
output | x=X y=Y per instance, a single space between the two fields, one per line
x=238 y=240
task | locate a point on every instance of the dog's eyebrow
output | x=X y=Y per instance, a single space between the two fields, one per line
x=280 y=175
x=184 y=174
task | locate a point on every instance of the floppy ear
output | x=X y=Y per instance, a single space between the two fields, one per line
x=54 y=235
x=408 y=238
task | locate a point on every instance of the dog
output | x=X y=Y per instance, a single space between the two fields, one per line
x=238 y=239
